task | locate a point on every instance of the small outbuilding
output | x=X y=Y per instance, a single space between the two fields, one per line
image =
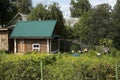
x=40 y=36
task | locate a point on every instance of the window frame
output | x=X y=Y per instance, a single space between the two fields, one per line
x=36 y=46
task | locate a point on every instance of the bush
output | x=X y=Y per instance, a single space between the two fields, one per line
x=23 y=67
x=74 y=47
x=3 y=52
x=58 y=67
x=114 y=52
x=81 y=68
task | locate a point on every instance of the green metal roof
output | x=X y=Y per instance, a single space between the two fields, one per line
x=34 y=29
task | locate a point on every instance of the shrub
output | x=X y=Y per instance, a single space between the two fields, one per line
x=114 y=52
x=59 y=67
x=74 y=47
x=3 y=52
x=106 y=42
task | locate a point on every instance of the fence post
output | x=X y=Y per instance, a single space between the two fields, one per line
x=116 y=71
x=41 y=70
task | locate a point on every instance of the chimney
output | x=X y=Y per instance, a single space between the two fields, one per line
x=39 y=19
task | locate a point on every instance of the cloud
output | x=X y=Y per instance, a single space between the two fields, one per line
x=35 y=2
x=112 y=2
x=65 y=9
x=96 y=2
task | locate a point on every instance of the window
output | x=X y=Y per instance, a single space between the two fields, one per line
x=36 y=47
x=20 y=18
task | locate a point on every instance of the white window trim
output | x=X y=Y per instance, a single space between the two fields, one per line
x=37 y=48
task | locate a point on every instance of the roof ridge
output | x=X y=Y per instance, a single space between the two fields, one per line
x=40 y=20
x=36 y=21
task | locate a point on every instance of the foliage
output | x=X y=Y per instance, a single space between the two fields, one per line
x=78 y=7
x=3 y=52
x=5 y=12
x=8 y=8
x=80 y=29
x=106 y=42
x=74 y=48
x=56 y=14
x=22 y=6
x=115 y=30
x=58 y=67
x=94 y=25
x=23 y=67
x=39 y=12
x=46 y=12
x=97 y=24
x=114 y=52
x=69 y=32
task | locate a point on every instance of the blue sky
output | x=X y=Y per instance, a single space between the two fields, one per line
x=64 y=4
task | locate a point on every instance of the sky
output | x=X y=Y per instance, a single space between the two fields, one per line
x=65 y=4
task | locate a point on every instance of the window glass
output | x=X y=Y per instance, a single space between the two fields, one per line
x=36 y=47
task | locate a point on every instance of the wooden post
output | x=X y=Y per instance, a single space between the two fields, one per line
x=15 y=49
x=116 y=70
x=58 y=45
x=64 y=45
x=41 y=70
x=48 y=47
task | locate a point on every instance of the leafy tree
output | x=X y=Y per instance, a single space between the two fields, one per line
x=23 y=6
x=115 y=30
x=39 y=12
x=56 y=14
x=78 y=7
x=80 y=30
x=94 y=25
x=47 y=13
x=5 y=12
x=10 y=7
x=106 y=42
x=100 y=22
x=69 y=32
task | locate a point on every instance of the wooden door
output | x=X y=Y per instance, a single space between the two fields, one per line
x=21 y=47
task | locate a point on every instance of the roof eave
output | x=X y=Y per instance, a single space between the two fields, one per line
x=31 y=37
